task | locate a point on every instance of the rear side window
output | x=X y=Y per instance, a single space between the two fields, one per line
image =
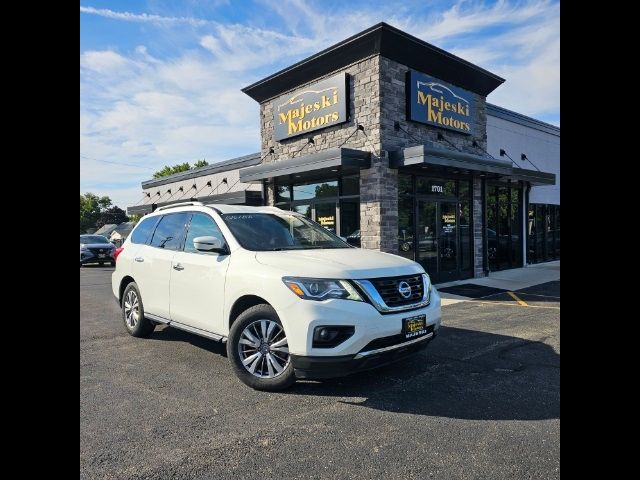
x=202 y=225
x=169 y=232
x=143 y=230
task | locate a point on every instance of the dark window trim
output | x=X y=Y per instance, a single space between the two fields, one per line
x=186 y=233
x=151 y=231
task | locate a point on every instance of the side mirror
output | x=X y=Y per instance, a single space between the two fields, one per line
x=209 y=244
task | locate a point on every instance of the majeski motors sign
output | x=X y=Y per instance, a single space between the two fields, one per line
x=319 y=105
x=434 y=102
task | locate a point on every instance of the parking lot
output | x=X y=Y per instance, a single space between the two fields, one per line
x=483 y=401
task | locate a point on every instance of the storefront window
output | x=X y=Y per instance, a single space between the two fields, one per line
x=282 y=193
x=404 y=185
x=309 y=191
x=320 y=201
x=504 y=249
x=350 y=221
x=303 y=210
x=405 y=227
x=435 y=186
x=351 y=185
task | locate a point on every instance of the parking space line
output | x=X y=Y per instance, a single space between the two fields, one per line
x=514 y=305
x=517 y=299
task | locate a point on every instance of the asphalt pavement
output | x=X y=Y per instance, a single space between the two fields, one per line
x=482 y=401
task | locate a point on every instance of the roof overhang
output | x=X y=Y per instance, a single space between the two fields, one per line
x=387 y=41
x=140 y=209
x=340 y=159
x=442 y=157
x=240 y=197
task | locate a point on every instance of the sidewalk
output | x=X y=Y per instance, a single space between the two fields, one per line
x=511 y=280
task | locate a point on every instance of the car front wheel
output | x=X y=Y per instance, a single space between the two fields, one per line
x=258 y=350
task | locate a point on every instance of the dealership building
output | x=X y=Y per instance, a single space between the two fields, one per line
x=389 y=142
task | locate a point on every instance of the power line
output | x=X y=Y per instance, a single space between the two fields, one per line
x=113 y=163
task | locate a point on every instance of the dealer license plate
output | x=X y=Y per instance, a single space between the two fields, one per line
x=102 y=255
x=413 y=327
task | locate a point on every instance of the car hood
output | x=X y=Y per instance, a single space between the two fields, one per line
x=347 y=263
x=97 y=245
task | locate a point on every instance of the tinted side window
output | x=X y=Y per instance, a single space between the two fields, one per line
x=170 y=230
x=142 y=232
x=201 y=225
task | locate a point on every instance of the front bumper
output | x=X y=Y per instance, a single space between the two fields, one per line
x=340 y=366
x=301 y=317
x=90 y=257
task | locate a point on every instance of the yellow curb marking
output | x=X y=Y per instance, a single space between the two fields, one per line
x=515 y=297
x=511 y=304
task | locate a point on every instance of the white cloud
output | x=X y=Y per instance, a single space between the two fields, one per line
x=142 y=17
x=151 y=111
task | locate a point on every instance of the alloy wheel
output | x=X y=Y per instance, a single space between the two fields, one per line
x=131 y=308
x=263 y=349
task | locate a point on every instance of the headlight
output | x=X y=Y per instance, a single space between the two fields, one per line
x=427 y=285
x=321 y=288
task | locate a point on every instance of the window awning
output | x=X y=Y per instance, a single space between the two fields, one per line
x=339 y=159
x=240 y=197
x=443 y=157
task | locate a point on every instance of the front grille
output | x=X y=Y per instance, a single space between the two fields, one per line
x=388 y=290
x=96 y=251
x=390 y=341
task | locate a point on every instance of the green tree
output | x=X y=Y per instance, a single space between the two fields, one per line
x=135 y=218
x=167 y=170
x=180 y=167
x=200 y=163
x=112 y=215
x=91 y=206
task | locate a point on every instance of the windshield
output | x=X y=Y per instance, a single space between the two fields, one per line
x=281 y=231
x=93 y=239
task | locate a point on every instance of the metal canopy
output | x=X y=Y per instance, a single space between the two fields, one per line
x=343 y=159
x=443 y=157
x=240 y=197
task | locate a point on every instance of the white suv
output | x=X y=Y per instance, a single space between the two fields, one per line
x=290 y=299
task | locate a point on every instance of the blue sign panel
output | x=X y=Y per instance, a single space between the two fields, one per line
x=434 y=102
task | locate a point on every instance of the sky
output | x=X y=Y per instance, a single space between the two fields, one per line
x=160 y=80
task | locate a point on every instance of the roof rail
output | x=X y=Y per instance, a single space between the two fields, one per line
x=179 y=204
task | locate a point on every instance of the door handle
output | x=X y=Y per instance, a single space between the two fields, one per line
x=178 y=266
x=139 y=259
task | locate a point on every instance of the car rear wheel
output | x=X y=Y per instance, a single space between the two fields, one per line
x=133 y=312
x=258 y=350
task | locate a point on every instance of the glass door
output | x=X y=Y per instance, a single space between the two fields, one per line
x=448 y=242
x=437 y=239
x=326 y=215
x=427 y=239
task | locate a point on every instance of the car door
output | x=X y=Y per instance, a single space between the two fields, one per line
x=152 y=263
x=198 y=278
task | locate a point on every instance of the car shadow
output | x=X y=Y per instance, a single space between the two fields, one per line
x=463 y=374
x=170 y=334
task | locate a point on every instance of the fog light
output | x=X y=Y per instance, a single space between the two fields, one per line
x=330 y=336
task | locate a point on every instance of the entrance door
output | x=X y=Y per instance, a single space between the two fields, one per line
x=437 y=239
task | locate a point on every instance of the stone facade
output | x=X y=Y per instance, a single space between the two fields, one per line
x=378 y=100
x=364 y=109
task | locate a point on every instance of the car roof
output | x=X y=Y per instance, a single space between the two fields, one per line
x=220 y=208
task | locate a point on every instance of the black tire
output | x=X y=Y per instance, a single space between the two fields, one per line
x=258 y=312
x=141 y=327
